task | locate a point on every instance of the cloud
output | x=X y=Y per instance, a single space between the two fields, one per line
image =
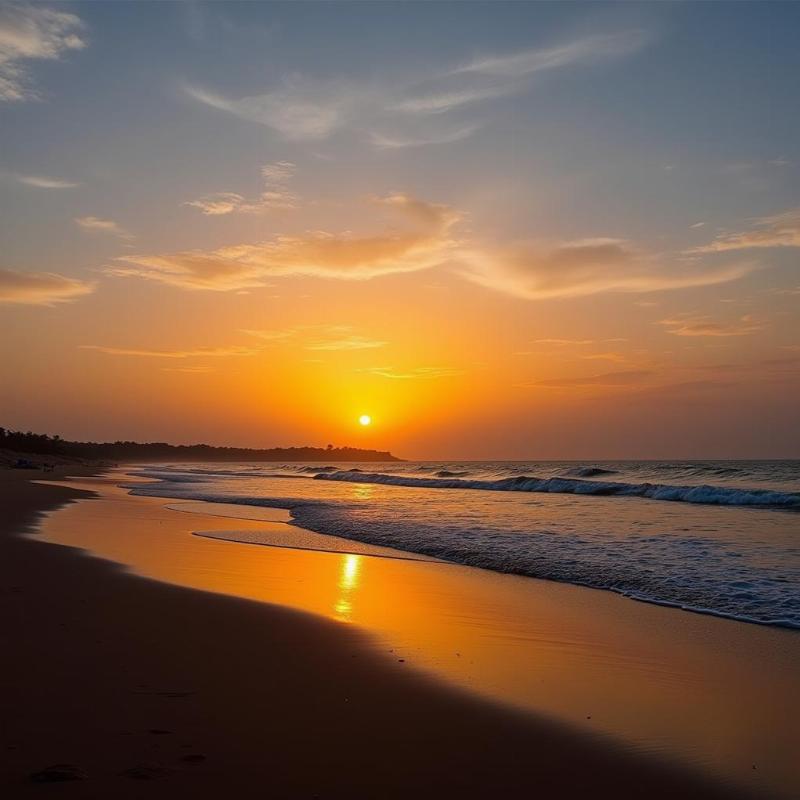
x=694 y=325
x=200 y=369
x=383 y=141
x=98 y=225
x=278 y=172
x=204 y=352
x=320 y=337
x=218 y=204
x=275 y=197
x=40 y=288
x=441 y=102
x=29 y=32
x=585 y=50
x=349 y=342
x=42 y=182
x=416 y=372
x=588 y=266
x=330 y=255
x=299 y=110
x=790 y=291
x=617 y=358
x=625 y=378
x=564 y=341
x=779 y=230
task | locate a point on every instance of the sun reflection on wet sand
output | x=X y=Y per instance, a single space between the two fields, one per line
x=348 y=583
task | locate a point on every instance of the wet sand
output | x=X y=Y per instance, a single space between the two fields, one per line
x=132 y=680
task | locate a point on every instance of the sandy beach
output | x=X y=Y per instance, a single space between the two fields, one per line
x=130 y=681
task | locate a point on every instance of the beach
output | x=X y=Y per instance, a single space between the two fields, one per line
x=127 y=680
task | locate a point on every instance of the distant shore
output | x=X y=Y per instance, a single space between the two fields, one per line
x=121 y=680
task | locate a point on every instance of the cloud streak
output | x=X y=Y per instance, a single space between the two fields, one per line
x=535 y=271
x=426 y=243
x=383 y=141
x=42 y=182
x=99 y=225
x=199 y=352
x=695 y=325
x=275 y=197
x=588 y=49
x=411 y=374
x=779 y=230
x=625 y=378
x=31 y=32
x=320 y=337
x=300 y=108
x=40 y=288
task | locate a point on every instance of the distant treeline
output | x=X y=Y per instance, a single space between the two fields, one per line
x=43 y=444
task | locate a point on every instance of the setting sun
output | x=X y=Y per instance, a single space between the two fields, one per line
x=365 y=419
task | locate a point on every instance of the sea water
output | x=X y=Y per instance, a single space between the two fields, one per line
x=718 y=537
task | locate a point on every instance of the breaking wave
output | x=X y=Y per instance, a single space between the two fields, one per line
x=710 y=495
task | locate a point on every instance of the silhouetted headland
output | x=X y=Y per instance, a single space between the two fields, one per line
x=54 y=446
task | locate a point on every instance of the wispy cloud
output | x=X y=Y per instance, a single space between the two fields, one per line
x=275 y=197
x=299 y=109
x=384 y=141
x=583 y=50
x=588 y=266
x=40 y=288
x=416 y=372
x=347 y=342
x=320 y=337
x=779 y=230
x=42 y=182
x=578 y=341
x=31 y=32
x=698 y=325
x=448 y=100
x=625 y=378
x=99 y=225
x=200 y=369
x=199 y=352
x=613 y=356
x=410 y=114
x=424 y=244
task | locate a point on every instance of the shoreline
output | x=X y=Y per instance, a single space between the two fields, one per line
x=128 y=678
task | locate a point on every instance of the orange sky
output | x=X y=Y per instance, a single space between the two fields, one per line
x=260 y=254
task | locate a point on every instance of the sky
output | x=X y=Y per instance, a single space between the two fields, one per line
x=502 y=230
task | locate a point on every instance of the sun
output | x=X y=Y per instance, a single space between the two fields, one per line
x=365 y=419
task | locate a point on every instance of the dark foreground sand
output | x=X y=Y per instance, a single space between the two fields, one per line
x=149 y=690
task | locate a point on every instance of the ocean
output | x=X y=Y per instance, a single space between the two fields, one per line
x=715 y=537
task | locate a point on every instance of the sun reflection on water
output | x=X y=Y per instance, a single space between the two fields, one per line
x=363 y=491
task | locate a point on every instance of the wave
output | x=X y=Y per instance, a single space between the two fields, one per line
x=710 y=495
x=589 y=472
x=740 y=564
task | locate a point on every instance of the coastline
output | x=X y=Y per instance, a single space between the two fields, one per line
x=128 y=678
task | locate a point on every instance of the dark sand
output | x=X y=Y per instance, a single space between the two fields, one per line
x=146 y=689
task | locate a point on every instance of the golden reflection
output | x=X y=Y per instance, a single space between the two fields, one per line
x=363 y=491
x=348 y=583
